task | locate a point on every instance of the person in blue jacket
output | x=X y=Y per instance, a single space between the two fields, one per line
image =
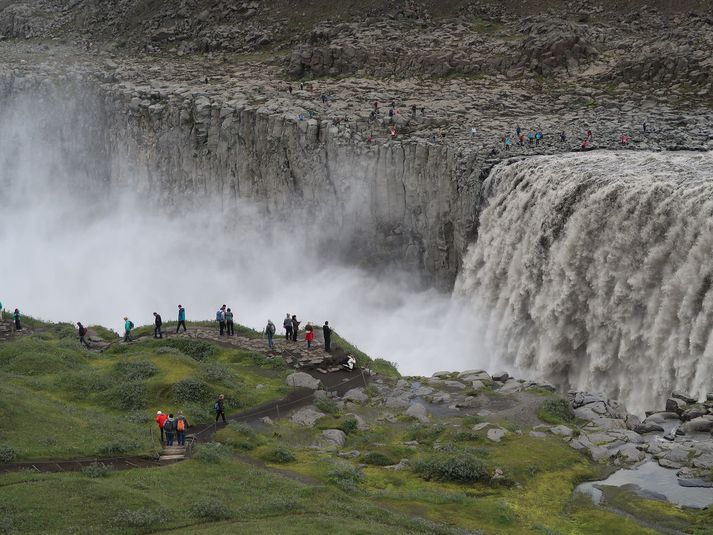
x=181 y=318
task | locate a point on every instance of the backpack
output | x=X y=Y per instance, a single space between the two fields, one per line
x=219 y=316
x=180 y=425
x=169 y=425
x=131 y=324
x=216 y=407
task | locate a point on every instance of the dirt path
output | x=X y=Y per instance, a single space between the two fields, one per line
x=338 y=380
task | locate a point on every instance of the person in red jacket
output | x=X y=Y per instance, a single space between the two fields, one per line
x=309 y=335
x=160 y=420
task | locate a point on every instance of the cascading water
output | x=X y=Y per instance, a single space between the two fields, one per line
x=595 y=270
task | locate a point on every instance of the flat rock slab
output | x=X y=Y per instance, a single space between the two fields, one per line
x=302 y=380
x=306 y=416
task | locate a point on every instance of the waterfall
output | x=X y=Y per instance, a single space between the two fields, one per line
x=594 y=270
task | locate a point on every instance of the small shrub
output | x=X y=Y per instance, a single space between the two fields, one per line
x=196 y=349
x=214 y=373
x=119 y=447
x=377 y=458
x=459 y=468
x=279 y=455
x=425 y=433
x=139 y=417
x=139 y=518
x=556 y=411
x=327 y=405
x=168 y=351
x=211 y=453
x=127 y=396
x=209 y=509
x=97 y=469
x=348 y=424
x=7 y=453
x=135 y=371
x=345 y=476
x=505 y=513
x=191 y=390
x=467 y=435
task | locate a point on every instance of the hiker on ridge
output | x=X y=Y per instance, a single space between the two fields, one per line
x=219 y=408
x=169 y=426
x=160 y=420
x=82 y=333
x=327 y=333
x=181 y=426
x=309 y=334
x=16 y=319
x=287 y=324
x=128 y=325
x=295 y=327
x=157 y=325
x=270 y=332
x=181 y=318
x=229 y=322
x=220 y=318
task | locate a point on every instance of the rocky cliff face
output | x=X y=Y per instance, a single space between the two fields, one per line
x=410 y=205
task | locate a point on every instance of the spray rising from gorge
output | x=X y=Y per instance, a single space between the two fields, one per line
x=86 y=243
x=594 y=270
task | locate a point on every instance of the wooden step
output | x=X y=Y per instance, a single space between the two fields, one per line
x=171 y=457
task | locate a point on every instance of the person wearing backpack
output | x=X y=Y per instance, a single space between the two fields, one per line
x=128 y=325
x=181 y=426
x=220 y=318
x=16 y=319
x=287 y=324
x=160 y=420
x=82 y=333
x=270 y=332
x=157 y=325
x=181 y=318
x=219 y=408
x=229 y=322
x=327 y=333
x=169 y=426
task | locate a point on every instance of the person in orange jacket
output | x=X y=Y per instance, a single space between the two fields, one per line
x=160 y=420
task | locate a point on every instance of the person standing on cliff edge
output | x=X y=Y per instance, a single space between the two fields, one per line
x=181 y=318
x=287 y=324
x=327 y=333
x=295 y=327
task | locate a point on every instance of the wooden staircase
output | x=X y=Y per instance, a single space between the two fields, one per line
x=175 y=452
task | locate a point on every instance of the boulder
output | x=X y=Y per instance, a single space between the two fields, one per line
x=454 y=384
x=684 y=397
x=441 y=374
x=418 y=411
x=397 y=402
x=630 y=454
x=675 y=405
x=648 y=427
x=302 y=380
x=337 y=437
x=496 y=434
x=694 y=412
x=561 y=430
x=356 y=395
x=702 y=424
x=511 y=386
x=500 y=376
x=306 y=416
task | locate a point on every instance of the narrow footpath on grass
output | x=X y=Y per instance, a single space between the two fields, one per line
x=314 y=361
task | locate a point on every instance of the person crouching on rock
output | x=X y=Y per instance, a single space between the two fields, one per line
x=82 y=333
x=309 y=334
x=349 y=363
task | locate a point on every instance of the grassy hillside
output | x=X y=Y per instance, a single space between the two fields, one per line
x=393 y=473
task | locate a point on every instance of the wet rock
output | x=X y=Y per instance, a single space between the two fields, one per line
x=683 y=397
x=630 y=454
x=701 y=424
x=454 y=384
x=649 y=427
x=694 y=412
x=675 y=405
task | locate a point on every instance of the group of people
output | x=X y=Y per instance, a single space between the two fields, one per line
x=158 y=324
x=226 y=321
x=292 y=326
x=172 y=428
x=15 y=317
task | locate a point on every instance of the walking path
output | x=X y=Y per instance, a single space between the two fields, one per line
x=315 y=361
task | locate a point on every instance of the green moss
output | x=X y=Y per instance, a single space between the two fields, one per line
x=556 y=411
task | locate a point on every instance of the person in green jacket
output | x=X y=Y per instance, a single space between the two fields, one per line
x=128 y=325
x=2 y=312
x=16 y=319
